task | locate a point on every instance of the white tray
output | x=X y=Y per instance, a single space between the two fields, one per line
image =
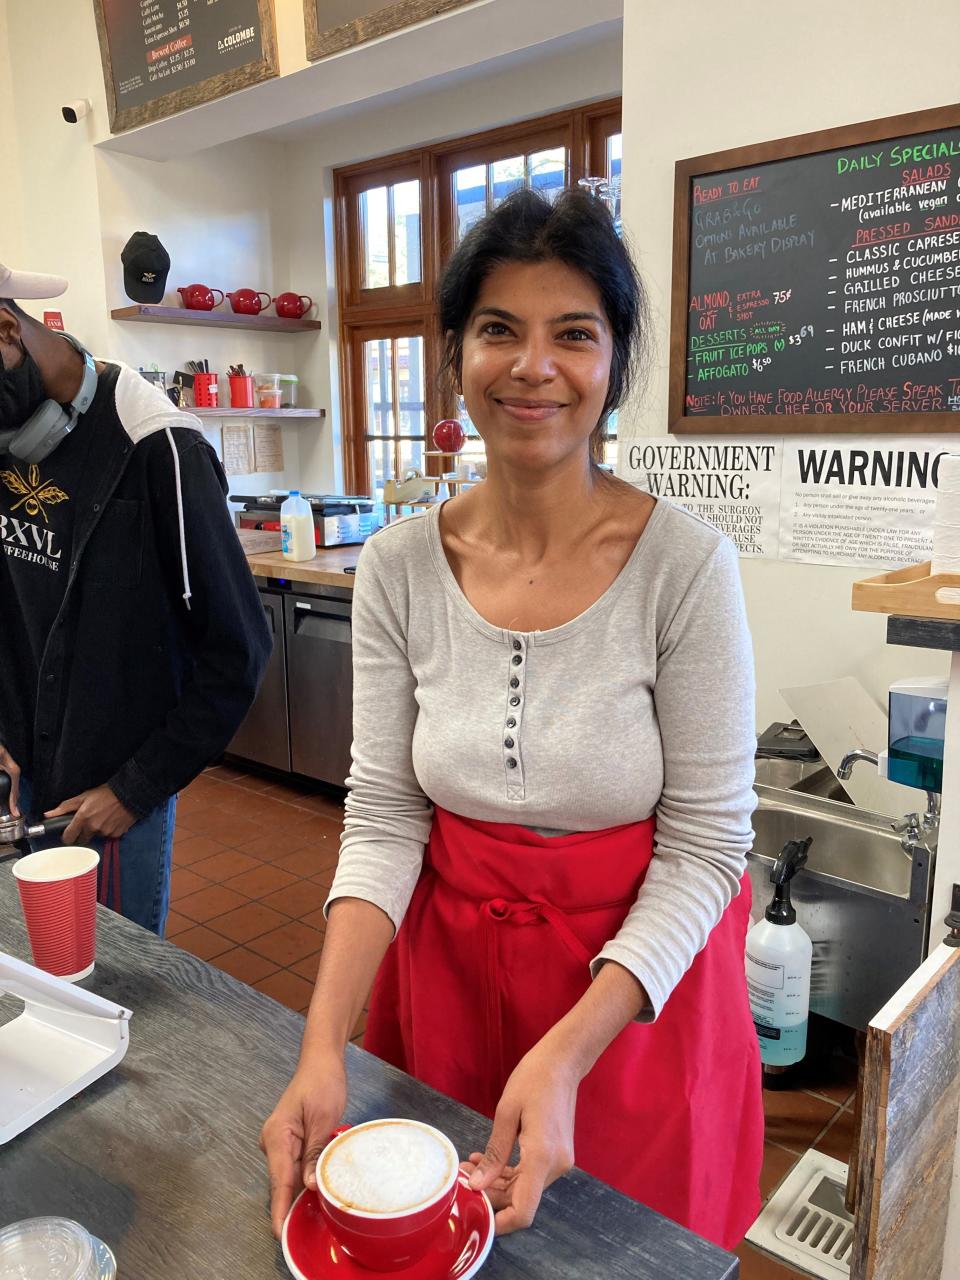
x=64 y=1039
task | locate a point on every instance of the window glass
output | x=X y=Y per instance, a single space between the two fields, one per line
x=411 y=409
x=547 y=171
x=395 y=410
x=470 y=196
x=614 y=158
x=378 y=381
x=373 y=225
x=506 y=176
x=406 y=232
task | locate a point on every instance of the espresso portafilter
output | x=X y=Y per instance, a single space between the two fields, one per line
x=17 y=831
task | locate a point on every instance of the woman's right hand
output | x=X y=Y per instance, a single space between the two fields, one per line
x=9 y=765
x=310 y=1108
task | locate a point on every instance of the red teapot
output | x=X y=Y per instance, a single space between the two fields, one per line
x=293 y=306
x=248 y=302
x=198 y=297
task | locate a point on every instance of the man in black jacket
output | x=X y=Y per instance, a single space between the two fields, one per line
x=132 y=638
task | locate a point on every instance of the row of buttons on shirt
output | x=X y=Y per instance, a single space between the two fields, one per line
x=514 y=700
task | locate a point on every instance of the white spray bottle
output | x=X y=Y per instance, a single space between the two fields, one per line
x=779 y=959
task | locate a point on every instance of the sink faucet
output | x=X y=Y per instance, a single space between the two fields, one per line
x=845 y=767
x=912 y=827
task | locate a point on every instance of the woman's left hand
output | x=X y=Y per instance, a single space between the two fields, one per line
x=538 y=1106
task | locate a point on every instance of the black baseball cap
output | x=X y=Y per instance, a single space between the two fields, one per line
x=145 y=266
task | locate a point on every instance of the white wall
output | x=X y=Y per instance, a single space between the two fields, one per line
x=11 y=209
x=698 y=80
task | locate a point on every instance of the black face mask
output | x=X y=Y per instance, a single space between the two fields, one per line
x=21 y=392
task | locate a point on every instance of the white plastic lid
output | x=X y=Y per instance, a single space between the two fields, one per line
x=288 y=377
x=46 y=1249
x=923 y=686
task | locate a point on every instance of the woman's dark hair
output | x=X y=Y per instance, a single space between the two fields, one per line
x=575 y=229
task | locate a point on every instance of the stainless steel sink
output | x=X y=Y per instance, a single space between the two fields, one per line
x=863 y=899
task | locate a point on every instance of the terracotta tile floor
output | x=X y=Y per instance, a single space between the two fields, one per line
x=253 y=860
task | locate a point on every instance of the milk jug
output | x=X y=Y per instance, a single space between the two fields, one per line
x=296 y=528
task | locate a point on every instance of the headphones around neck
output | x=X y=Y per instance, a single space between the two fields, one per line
x=50 y=425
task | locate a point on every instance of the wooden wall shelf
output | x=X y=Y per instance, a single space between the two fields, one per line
x=257 y=413
x=147 y=314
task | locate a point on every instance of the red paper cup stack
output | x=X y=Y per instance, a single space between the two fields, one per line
x=58 y=893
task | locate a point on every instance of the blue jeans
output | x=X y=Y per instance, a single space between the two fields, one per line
x=146 y=857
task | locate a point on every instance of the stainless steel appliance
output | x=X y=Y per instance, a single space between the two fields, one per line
x=264 y=736
x=318 y=643
x=338 y=519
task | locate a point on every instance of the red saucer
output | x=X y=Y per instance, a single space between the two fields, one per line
x=312 y=1253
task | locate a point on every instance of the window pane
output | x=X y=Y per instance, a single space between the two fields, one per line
x=411 y=455
x=410 y=378
x=614 y=154
x=406 y=232
x=378 y=383
x=506 y=176
x=373 y=224
x=470 y=197
x=380 y=461
x=548 y=171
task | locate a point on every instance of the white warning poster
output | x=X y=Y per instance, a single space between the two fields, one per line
x=860 y=501
x=733 y=483
x=850 y=500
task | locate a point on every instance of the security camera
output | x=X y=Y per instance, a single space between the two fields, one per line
x=75 y=111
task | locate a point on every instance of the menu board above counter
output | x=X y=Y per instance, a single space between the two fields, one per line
x=163 y=56
x=335 y=25
x=817 y=283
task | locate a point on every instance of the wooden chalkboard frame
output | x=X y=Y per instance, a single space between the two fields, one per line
x=194 y=95
x=321 y=43
x=853 y=135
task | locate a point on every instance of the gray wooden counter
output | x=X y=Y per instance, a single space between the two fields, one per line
x=160 y=1156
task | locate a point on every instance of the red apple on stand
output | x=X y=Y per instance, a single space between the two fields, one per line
x=449 y=436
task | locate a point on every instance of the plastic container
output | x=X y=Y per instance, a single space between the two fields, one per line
x=53 y=1249
x=206 y=390
x=289 y=387
x=297 y=538
x=917 y=730
x=779 y=959
x=268 y=390
x=241 y=392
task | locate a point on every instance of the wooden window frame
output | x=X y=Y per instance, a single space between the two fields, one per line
x=402 y=310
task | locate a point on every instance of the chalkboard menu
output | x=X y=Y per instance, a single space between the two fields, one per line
x=817 y=283
x=163 y=56
x=335 y=25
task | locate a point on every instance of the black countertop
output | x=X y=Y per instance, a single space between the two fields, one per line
x=159 y=1157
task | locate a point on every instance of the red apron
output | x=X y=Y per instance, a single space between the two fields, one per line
x=495 y=949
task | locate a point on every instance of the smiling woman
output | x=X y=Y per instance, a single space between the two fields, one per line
x=552 y=773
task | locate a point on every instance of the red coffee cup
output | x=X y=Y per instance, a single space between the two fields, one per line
x=392 y=1239
x=293 y=306
x=58 y=893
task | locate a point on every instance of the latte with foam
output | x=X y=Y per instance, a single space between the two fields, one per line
x=387 y=1166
